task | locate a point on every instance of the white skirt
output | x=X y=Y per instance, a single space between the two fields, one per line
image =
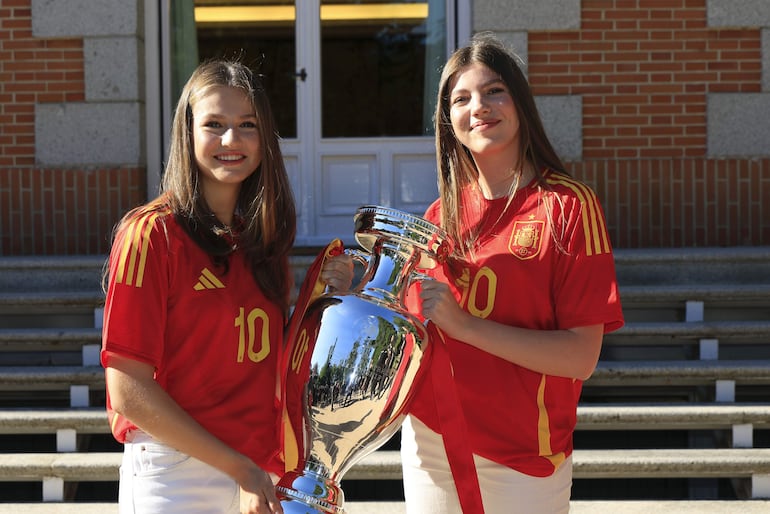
x=429 y=486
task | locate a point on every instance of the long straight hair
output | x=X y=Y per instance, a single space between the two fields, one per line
x=265 y=208
x=456 y=167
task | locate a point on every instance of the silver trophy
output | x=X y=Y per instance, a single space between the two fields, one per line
x=353 y=360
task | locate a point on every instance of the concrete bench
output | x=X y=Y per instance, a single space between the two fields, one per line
x=678 y=340
x=692 y=264
x=740 y=419
x=50 y=346
x=722 y=374
x=44 y=421
x=631 y=332
x=733 y=294
x=54 y=298
x=53 y=469
x=58 y=308
x=48 y=338
x=50 y=377
x=65 y=423
x=692 y=372
x=708 y=416
x=78 y=380
x=677 y=378
x=751 y=463
x=680 y=372
x=51 y=272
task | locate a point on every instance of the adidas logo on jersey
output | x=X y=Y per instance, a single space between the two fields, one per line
x=208 y=280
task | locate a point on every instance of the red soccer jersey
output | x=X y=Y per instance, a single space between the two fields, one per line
x=515 y=416
x=212 y=336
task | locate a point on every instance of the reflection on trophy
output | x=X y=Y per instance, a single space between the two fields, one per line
x=353 y=359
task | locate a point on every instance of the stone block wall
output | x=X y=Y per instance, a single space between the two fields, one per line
x=71 y=123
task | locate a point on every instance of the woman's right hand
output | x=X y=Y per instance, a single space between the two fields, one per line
x=440 y=306
x=337 y=272
x=258 y=493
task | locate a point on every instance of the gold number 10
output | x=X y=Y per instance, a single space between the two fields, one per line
x=249 y=330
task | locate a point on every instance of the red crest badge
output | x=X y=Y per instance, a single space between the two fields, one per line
x=526 y=238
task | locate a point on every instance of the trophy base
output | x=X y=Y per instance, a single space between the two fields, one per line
x=307 y=492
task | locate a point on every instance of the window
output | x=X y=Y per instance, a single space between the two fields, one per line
x=379 y=60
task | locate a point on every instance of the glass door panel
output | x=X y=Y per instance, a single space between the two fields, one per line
x=260 y=33
x=379 y=66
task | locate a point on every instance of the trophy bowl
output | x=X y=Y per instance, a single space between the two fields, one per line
x=352 y=363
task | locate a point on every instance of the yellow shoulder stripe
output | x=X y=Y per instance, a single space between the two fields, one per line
x=597 y=239
x=133 y=253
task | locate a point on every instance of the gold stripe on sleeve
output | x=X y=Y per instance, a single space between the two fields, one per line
x=121 y=267
x=145 y=248
x=135 y=246
x=597 y=240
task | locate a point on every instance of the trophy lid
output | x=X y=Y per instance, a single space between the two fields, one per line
x=373 y=223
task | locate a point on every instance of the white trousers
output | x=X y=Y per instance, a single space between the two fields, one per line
x=429 y=486
x=157 y=479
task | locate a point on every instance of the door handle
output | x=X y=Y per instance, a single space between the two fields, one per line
x=301 y=74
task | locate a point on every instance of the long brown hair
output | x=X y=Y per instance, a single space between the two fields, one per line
x=265 y=204
x=456 y=167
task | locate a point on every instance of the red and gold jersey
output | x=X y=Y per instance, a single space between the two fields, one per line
x=520 y=277
x=212 y=336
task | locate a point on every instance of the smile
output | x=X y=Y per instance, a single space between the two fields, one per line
x=230 y=157
x=481 y=125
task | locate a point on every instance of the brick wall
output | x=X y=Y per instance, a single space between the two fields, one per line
x=639 y=75
x=50 y=210
x=644 y=70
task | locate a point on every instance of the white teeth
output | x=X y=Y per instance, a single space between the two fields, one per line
x=229 y=157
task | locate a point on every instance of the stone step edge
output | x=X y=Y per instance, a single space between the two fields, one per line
x=590 y=417
x=386 y=465
x=626 y=373
x=651 y=292
x=694 y=329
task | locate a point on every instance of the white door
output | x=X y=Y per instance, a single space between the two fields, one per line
x=352 y=84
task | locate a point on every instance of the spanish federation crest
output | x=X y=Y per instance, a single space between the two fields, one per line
x=526 y=238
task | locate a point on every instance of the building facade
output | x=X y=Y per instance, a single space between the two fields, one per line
x=663 y=106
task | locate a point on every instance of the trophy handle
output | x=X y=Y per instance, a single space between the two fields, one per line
x=417 y=276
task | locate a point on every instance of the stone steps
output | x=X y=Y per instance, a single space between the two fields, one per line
x=698 y=330
x=54 y=469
